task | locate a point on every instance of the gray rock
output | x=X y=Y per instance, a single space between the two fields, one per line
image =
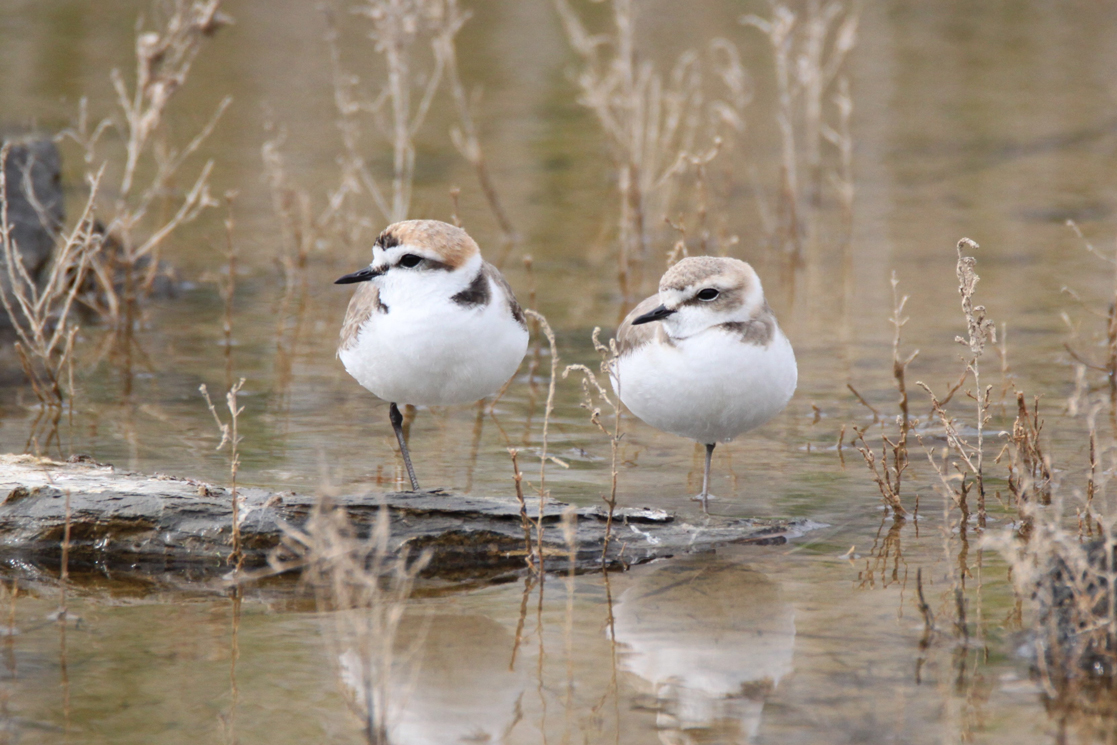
x=1074 y=598
x=33 y=172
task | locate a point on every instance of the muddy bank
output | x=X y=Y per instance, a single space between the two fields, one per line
x=157 y=523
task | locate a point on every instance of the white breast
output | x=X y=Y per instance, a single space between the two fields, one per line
x=710 y=387
x=438 y=352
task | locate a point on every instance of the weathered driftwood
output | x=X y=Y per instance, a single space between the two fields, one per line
x=159 y=523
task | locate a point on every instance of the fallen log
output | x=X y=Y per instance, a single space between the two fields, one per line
x=157 y=523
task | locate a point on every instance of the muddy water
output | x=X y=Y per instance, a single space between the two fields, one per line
x=994 y=121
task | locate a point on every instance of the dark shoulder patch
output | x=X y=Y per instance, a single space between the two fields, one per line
x=758 y=331
x=513 y=306
x=476 y=295
x=517 y=312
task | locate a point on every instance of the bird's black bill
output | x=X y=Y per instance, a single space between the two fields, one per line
x=653 y=315
x=364 y=275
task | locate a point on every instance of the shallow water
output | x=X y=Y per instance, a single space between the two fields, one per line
x=994 y=121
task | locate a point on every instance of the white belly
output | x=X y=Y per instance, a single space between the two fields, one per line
x=438 y=355
x=709 y=387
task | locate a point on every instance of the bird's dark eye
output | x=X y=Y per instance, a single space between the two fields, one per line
x=708 y=294
x=410 y=260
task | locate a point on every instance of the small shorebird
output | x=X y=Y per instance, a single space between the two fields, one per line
x=705 y=358
x=432 y=323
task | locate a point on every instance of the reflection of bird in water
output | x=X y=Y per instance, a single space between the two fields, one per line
x=457 y=687
x=713 y=638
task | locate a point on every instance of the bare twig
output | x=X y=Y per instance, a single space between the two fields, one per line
x=125 y=273
x=40 y=311
x=651 y=121
x=525 y=521
x=887 y=477
x=808 y=53
x=593 y=395
x=866 y=404
x=230 y=436
x=464 y=136
x=550 y=407
x=900 y=366
x=980 y=331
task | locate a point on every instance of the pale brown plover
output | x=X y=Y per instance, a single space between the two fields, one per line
x=432 y=323
x=705 y=358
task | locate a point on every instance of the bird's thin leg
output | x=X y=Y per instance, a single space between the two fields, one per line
x=706 y=477
x=397 y=425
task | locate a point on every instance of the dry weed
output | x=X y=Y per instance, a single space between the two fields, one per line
x=464 y=135
x=135 y=222
x=227 y=289
x=1071 y=583
x=534 y=555
x=841 y=137
x=808 y=53
x=543 y=325
x=1108 y=366
x=594 y=396
x=708 y=239
x=396 y=27
x=888 y=472
x=534 y=563
x=1029 y=471
x=886 y=559
x=979 y=332
x=1067 y=570
x=655 y=125
x=414 y=53
x=1066 y=566
x=400 y=30
x=231 y=437
x=41 y=311
x=300 y=231
x=292 y=207
x=541 y=320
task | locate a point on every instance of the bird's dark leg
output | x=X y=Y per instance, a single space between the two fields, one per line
x=706 y=478
x=397 y=425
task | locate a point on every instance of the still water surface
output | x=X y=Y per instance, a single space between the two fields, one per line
x=995 y=121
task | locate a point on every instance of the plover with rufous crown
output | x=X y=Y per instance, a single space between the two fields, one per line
x=705 y=358
x=431 y=324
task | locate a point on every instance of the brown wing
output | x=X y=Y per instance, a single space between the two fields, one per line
x=498 y=279
x=631 y=337
x=365 y=302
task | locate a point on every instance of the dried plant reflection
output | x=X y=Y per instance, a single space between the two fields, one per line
x=361 y=585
